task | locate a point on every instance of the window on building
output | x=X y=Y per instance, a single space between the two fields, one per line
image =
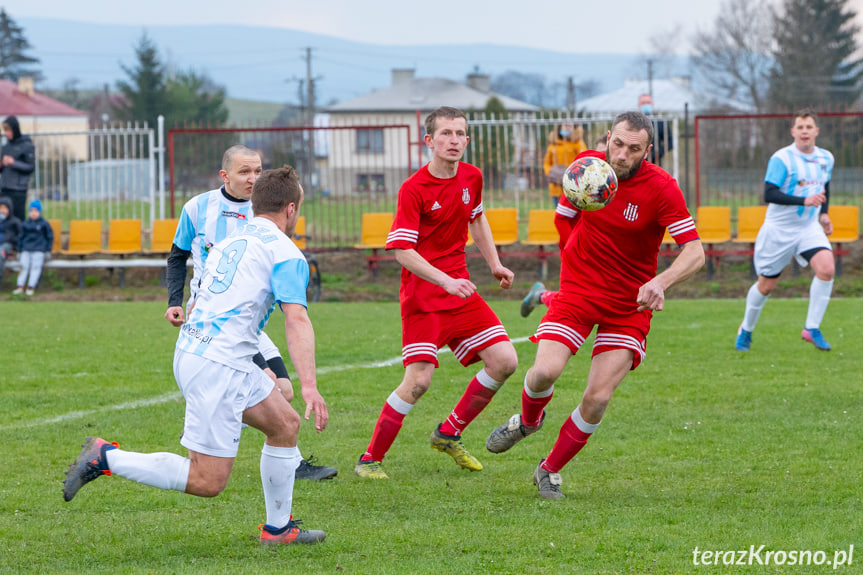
x=370 y=183
x=370 y=141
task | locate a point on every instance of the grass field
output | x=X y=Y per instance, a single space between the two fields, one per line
x=702 y=447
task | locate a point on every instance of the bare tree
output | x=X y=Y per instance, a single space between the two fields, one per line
x=735 y=57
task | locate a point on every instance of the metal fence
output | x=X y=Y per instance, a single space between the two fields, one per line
x=102 y=174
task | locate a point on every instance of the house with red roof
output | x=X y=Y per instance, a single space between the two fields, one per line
x=39 y=114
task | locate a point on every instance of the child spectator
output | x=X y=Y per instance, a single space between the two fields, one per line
x=34 y=244
x=10 y=227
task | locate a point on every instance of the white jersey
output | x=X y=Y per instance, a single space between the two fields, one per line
x=801 y=175
x=207 y=219
x=246 y=274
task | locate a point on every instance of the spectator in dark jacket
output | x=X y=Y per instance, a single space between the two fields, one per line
x=17 y=162
x=10 y=227
x=34 y=245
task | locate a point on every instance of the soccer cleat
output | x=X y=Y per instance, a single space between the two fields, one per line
x=744 y=340
x=18 y=291
x=290 y=533
x=816 y=338
x=532 y=299
x=452 y=446
x=505 y=436
x=29 y=291
x=90 y=464
x=548 y=483
x=370 y=469
x=308 y=470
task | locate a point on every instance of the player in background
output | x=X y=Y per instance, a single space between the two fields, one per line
x=564 y=220
x=439 y=304
x=608 y=279
x=205 y=220
x=797 y=191
x=250 y=271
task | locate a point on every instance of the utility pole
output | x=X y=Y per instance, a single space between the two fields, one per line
x=650 y=78
x=310 y=122
x=570 y=95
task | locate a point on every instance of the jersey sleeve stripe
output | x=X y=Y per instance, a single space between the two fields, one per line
x=681 y=226
x=476 y=211
x=403 y=234
x=565 y=211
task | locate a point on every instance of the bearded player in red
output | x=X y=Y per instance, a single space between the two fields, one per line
x=608 y=279
x=439 y=304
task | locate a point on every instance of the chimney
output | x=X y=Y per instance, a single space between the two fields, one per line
x=402 y=76
x=25 y=85
x=479 y=82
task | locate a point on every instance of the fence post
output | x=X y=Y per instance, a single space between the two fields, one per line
x=161 y=140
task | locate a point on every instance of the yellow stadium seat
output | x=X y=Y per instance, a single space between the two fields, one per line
x=300 y=233
x=85 y=237
x=124 y=237
x=713 y=224
x=540 y=228
x=375 y=228
x=749 y=220
x=162 y=237
x=714 y=227
x=846 y=229
x=57 y=228
x=504 y=225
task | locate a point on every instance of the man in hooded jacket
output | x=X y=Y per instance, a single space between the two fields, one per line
x=17 y=162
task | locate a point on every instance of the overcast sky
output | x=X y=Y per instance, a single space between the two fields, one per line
x=615 y=26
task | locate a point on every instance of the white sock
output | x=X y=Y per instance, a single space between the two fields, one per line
x=162 y=470
x=819 y=297
x=278 y=465
x=754 y=303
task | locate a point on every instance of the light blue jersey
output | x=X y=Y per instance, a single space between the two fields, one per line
x=207 y=219
x=801 y=175
x=246 y=274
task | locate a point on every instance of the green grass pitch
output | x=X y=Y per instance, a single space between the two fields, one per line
x=701 y=447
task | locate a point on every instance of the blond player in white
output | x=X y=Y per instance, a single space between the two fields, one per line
x=797 y=190
x=246 y=275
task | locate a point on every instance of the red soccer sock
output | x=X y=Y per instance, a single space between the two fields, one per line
x=474 y=400
x=569 y=442
x=386 y=429
x=532 y=408
x=547 y=296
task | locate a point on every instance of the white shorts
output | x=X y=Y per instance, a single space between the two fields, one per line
x=216 y=397
x=775 y=246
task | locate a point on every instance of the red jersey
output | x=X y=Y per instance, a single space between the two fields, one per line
x=432 y=218
x=612 y=252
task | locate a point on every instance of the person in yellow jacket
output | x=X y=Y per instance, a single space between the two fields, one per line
x=565 y=143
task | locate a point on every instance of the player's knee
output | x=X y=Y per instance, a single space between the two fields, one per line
x=541 y=377
x=210 y=489
x=503 y=367
x=594 y=403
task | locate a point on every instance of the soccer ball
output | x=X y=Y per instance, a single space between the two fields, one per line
x=589 y=183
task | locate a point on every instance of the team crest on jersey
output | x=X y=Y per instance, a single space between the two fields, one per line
x=631 y=212
x=465 y=195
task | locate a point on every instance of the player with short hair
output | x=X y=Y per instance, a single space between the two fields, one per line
x=608 y=279
x=250 y=271
x=206 y=219
x=797 y=192
x=565 y=218
x=439 y=304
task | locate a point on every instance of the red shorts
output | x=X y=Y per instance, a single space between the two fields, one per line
x=466 y=330
x=569 y=321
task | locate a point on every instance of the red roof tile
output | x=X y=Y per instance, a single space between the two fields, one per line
x=17 y=103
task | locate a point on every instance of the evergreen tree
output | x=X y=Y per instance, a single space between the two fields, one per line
x=14 y=63
x=814 y=62
x=195 y=98
x=144 y=93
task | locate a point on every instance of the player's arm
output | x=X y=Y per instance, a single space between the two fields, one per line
x=824 y=218
x=565 y=218
x=176 y=277
x=300 y=336
x=777 y=172
x=690 y=259
x=420 y=267
x=481 y=233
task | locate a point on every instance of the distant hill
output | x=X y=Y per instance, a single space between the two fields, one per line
x=264 y=64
